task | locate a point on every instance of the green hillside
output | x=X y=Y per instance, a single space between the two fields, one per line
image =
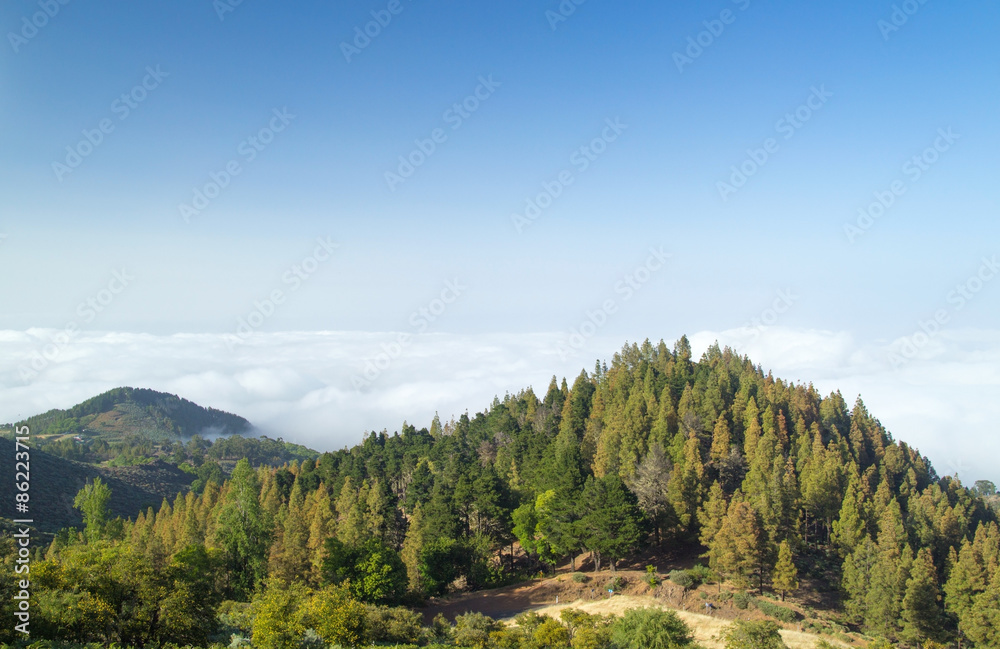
x=149 y=414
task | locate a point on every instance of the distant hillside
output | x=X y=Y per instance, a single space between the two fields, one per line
x=55 y=482
x=148 y=414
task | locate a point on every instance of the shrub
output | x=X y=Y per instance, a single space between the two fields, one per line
x=778 y=612
x=617 y=583
x=651 y=577
x=703 y=574
x=702 y=594
x=746 y=634
x=682 y=578
x=724 y=596
x=741 y=600
x=579 y=577
x=643 y=628
x=474 y=629
x=396 y=625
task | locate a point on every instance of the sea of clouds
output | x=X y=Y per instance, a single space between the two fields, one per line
x=326 y=389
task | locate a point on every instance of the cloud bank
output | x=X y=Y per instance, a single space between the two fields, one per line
x=326 y=389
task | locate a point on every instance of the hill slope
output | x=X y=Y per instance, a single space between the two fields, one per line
x=55 y=482
x=123 y=412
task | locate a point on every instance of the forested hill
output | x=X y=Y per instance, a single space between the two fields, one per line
x=780 y=489
x=156 y=416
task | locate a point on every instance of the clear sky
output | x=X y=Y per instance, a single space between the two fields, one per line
x=628 y=121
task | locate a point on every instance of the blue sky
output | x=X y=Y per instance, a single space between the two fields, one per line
x=887 y=95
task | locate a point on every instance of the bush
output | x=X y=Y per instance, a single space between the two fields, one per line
x=746 y=634
x=616 y=583
x=703 y=574
x=724 y=596
x=682 y=578
x=651 y=578
x=641 y=628
x=580 y=578
x=741 y=600
x=396 y=625
x=778 y=612
x=474 y=629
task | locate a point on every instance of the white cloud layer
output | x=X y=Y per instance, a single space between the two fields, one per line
x=312 y=387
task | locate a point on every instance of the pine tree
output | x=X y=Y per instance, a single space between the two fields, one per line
x=613 y=523
x=351 y=529
x=858 y=569
x=686 y=485
x=712 y=514
x=921 y=618
x=850 y=527
x=413 y=545
x=321 y=527
x=637 y=423
x=786 y=575
x=651 y=486
x=720 y=440
x=741 y=550
x=752 y=431
x=983 y=623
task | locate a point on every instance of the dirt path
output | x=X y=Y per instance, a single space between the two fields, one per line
x=706 y=628
x=552 y=595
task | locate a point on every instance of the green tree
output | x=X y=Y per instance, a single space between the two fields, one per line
x=92 y=501
x=786 y=576
x=243 y=531
x=337 y=618
x=613 y=524
x=741 y=550
x=188 y=611
x=850 y=527
x=921 y=616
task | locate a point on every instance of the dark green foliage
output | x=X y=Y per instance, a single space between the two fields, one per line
x=244 y=532
x=682 y=578
x=745 y=634
x=373 y=572
x=741 y=600
x=703 y=574
x=650 y=628
x=776 y=611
